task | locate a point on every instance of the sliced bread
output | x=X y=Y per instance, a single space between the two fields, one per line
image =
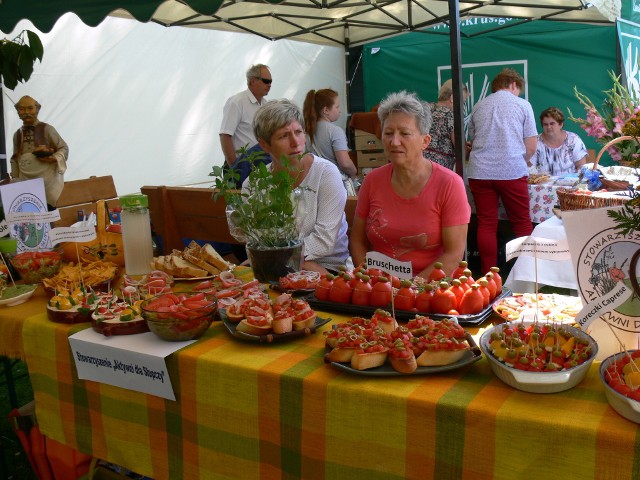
x=186 y=269
x=211 y=256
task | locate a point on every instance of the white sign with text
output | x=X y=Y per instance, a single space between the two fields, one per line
x=72 y=234
x=33 y=217
x=540 y=248
x=389 y=265
x=135 y=362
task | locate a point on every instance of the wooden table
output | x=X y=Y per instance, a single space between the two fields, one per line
x=248 y=410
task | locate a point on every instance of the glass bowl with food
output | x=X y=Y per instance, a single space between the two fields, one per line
x=34 y=266
x=179 y=316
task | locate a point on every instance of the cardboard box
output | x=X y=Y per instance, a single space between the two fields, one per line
x=368 y=159
x=366 y=141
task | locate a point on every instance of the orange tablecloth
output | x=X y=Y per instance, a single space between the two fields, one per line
x=248 y=410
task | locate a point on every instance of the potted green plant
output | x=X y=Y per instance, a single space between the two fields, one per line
x=262 y=215
x=18 y=56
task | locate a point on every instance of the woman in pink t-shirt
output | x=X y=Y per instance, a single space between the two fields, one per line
x=411 y=209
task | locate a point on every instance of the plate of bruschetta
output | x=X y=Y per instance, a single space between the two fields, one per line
x=270 y=336
x=259 y=319
x=378 y=346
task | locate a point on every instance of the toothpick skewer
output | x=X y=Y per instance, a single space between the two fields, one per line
x=624 y=348
x=8 y=269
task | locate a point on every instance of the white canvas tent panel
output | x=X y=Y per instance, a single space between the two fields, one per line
x=144 y=103
x=325 y=22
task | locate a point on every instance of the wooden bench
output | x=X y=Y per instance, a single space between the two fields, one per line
x=191 y=212
x=82 y=195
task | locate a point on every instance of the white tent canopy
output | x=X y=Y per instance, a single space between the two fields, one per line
x=144 y=103
x=352 y=22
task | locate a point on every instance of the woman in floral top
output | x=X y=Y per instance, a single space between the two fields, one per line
x=558 y=152
x=442 y=138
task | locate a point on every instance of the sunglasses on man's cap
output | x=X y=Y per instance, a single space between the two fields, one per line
x=266 y=81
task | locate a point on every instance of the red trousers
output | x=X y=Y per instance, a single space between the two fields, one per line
x=486 y=196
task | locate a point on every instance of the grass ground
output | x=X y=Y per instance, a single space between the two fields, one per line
x=14 y=464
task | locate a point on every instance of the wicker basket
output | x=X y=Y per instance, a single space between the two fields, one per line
x=568 y=199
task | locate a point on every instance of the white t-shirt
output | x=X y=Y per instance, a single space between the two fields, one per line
x=498 y=126
x=237 y=118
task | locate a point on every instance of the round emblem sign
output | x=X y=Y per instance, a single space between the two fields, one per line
x=29 y=235
x=605 y=262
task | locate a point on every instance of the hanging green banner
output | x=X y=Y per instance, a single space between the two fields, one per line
x=552 y=57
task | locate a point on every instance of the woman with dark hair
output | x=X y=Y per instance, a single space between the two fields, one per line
x=558 y=151
x=321 y=108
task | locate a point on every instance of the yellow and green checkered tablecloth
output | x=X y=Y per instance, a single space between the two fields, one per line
x=248 y=410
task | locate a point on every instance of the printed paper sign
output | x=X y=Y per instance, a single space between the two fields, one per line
x=135 y=362
x=33 y=217
x=389 y=265
x=601 y=305
x=21 y=197
x=4 y=228
x=603 y=258
x=541 y=248
x=72 y=234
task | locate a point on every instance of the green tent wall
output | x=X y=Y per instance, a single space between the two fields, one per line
x=555 y=58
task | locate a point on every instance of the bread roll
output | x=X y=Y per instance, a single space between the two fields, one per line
x=364 y=361
x=437 y=358
x=251 y=329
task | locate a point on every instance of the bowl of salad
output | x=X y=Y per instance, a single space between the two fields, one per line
x=179 y=316
x=33 y=266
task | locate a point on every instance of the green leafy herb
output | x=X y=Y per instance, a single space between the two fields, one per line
x=263 y=213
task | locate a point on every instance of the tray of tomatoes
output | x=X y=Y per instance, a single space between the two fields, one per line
x=361 y=292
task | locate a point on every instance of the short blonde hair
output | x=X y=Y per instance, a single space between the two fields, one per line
x=446 y=91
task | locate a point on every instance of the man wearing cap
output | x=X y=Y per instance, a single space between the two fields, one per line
x=38 y=151
x=236 y=130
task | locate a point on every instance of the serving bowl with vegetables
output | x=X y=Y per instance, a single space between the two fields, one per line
x=179 y=316
x=33 y=266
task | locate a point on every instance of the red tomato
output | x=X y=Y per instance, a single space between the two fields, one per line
x=361 y=291
x=464 y=283
x=341 y=290
x=459 y=270
x=468 y=274
x=458 y=291
x=485 y=292
x=405 y=299
x=324 y=287
x=381 y=293
x=443 y=299
x=423 y=300
x=437 y=273
x=472 y=301
x=374 y=275
x=497 y=278
x=491 y=285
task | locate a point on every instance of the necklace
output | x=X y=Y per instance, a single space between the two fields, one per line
x=300 y=173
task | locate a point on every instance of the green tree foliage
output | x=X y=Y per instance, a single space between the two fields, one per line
x=17 y=58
